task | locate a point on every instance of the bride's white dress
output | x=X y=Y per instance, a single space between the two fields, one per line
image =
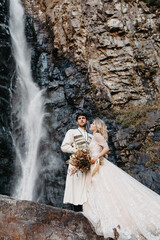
x=117 y=200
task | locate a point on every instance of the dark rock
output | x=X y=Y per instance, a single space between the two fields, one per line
x=135 y=145
x=146 y=178
x=143 y=158
x=157 y=152
x=156 y=176
x=157 y=136
x=69 y=71
x=153 y=119
x=6 y=81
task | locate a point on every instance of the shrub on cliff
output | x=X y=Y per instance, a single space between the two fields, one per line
x=134 y=115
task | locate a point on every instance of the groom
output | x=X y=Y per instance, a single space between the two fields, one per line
x=75 y=189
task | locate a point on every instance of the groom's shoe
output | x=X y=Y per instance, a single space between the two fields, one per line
x=77 y=208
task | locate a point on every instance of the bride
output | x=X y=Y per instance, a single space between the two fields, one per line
x=116 y=202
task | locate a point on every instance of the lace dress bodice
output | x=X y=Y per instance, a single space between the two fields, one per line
x=97 y=144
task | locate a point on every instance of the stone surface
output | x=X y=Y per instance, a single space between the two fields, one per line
x=6 y=81
x=115 y=42
x=65 y=92
x=21 y=220
x=100 y=56
x=138 y=150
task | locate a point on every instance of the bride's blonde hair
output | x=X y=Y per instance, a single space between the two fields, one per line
x=101 y=128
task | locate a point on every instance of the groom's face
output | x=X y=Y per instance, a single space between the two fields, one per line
x=82 y=121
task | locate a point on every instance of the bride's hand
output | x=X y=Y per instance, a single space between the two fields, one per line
x=93 y=160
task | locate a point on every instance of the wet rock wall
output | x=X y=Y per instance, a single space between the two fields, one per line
x=66 y=92
x=102 y=56
x=6 y=81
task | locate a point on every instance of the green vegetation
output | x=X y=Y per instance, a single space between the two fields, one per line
x=134 y=115
x=152 y=149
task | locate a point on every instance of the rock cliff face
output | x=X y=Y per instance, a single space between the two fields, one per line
x=137 y=146
x=116 y=43
x=6 y=78
x=101 y=56
x=21 y=220
x=65 y=92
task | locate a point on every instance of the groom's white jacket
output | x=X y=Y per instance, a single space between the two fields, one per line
x=75 y=139
x=76 y=186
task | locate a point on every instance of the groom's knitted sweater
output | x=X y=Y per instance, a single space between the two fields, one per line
x=75 y=139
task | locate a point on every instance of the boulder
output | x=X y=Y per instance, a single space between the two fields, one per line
x=21 y=220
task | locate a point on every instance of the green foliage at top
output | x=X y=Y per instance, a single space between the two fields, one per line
x=134 y=115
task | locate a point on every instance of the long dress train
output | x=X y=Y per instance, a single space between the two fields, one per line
x=115 y=200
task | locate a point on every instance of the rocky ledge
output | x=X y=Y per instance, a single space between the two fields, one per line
x=21 y=220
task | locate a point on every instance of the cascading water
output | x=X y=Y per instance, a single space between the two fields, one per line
x=28 y=107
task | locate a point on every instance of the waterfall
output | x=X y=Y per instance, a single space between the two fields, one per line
x=28 y=107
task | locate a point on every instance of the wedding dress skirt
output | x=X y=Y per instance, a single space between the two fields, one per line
x=115 y=200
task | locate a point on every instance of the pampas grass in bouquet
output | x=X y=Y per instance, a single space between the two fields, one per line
x=80 y=160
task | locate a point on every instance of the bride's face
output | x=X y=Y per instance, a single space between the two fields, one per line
x=93 y=127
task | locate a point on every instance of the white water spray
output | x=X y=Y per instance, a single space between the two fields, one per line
x=30 y=114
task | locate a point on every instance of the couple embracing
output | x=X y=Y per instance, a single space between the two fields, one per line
x=112 y=200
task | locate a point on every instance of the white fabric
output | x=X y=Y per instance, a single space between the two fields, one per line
x=114 y=199
x=68 y=144
x=83 y=132
x=75 y=188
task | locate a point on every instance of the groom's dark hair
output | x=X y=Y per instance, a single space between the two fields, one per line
x=81 y=114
